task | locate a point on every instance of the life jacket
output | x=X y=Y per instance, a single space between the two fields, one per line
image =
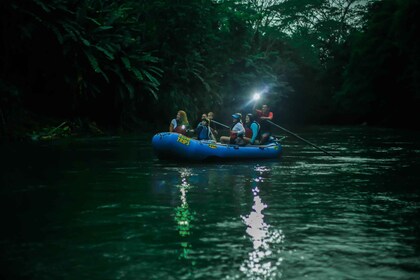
x=248 y=130
x=258 y=130
x=233 y=136
x=181 y=129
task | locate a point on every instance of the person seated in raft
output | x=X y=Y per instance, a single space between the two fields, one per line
x=180 y=124
x=252 y=130
x=203 y=116
x=237 y=132
x=240 y=118
x=203 y=130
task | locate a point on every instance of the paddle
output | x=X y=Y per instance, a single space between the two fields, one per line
x=297 y=136
x=220 y=124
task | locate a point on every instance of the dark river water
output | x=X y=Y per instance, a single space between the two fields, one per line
x=106 y=208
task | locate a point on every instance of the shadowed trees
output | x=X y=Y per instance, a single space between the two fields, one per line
x=381 y=78
x=135 y=63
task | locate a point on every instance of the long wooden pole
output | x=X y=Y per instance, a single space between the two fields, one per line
x=297 y=136
x=220 y=124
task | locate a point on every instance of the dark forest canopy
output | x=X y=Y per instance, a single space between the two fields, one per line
x=134 y=63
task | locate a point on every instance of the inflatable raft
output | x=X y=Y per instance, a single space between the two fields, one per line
x=169 y=145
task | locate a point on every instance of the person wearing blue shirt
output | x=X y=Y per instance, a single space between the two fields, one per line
x=203 y=131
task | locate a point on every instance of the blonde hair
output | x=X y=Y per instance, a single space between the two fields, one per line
x=183 y=117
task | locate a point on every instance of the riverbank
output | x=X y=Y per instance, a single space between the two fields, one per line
x=25 y=126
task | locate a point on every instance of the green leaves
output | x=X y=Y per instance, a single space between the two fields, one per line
x=110 y=32
x=134 y=57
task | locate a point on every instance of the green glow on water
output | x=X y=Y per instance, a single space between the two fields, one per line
x=108 y=209
x=183 y=215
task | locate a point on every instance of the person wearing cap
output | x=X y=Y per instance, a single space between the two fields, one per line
x=237 y=132
x=240 y=117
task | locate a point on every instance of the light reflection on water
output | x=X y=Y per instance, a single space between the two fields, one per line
x=260 y=263
x=183 y=215
x=110 y=210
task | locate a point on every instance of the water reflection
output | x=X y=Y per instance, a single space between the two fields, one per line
x=183 y=215
x=262 y=262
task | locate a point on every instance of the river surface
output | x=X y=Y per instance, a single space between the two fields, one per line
x=106 y=208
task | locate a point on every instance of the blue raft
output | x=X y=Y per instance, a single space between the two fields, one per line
x=169 y=145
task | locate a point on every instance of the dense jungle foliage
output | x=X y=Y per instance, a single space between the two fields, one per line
x=133 y=64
